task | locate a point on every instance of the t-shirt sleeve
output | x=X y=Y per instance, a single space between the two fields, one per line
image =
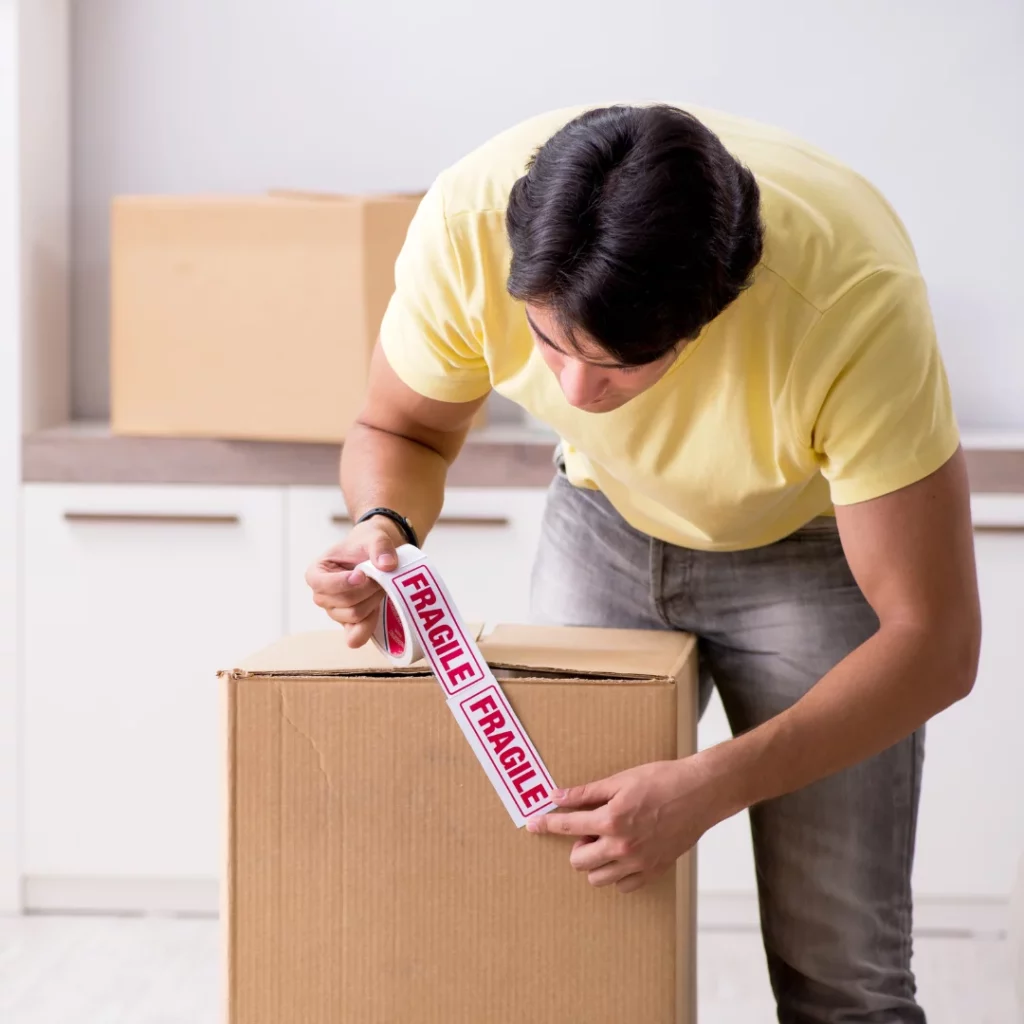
x=876 y=396
x=427 y=333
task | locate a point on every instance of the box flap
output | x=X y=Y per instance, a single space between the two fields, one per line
x=609 y=652
x=308 y=195
x=323 y=652
x=622 y=653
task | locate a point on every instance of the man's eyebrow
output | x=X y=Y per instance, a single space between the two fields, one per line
x=540 y=334
x=547 y=341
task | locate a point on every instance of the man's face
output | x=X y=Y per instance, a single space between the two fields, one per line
x=589 y=379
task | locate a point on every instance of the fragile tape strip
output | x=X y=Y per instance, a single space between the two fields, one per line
x=418 y=618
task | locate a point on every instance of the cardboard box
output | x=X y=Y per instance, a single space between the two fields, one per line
x=375 y=877
x=248 y=317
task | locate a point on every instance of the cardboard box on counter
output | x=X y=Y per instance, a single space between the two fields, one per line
x=248 y=317
x=374 y=874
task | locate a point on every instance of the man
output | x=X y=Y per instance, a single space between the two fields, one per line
x=729 y=331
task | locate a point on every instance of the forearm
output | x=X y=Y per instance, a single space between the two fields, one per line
x=383 y=469
x=879 y=694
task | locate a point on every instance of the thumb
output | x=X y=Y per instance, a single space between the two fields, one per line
x=593 y=794
x=381 y=549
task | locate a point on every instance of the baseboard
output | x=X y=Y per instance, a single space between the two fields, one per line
x=171 y=896
x=933 y=915
x=716 y=911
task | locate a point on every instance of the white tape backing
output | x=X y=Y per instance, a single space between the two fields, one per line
x=418 y=618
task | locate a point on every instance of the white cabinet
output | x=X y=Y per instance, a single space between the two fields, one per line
x=725 y=857
x=134 y=597
x=483 y=546
x=971 y=827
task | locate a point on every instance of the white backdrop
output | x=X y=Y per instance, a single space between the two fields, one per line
x=926 y=97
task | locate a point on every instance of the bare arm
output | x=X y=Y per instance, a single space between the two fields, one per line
x=912 y=554
x=399 y=450
x=397 y=456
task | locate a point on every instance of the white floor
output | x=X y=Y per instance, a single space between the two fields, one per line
x=86 y=970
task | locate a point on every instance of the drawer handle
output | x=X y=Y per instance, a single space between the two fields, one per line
x=496 y=521
x=175 y=518
x=998 y=528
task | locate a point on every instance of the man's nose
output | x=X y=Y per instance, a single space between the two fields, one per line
x=581 y=384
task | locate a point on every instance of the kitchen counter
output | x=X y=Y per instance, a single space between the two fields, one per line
x=494 y=456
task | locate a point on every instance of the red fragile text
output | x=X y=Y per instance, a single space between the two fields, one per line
x=445 y=644
x=509 y=753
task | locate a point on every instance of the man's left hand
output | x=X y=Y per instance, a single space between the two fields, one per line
x=633 y=826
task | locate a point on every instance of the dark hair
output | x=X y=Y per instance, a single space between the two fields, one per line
x=636 y=225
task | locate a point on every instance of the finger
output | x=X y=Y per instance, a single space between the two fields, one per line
x=327 y=577
x=631 y=882
x=357 y=634
x=613 y=873
x=347 y=598
x=570 y=823
x=382 y=552
x=332 y=578
x=350 y=615
x=593 y=794
x=589 y=856
x=342 y=594
x=580 y=843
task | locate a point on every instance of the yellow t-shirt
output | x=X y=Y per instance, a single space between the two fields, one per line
x=821 y=385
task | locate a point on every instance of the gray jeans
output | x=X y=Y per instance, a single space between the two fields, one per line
x=834 y=859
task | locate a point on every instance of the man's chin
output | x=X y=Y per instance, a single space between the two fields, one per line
x=605 y=405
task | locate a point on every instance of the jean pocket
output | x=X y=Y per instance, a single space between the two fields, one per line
x=558 y=458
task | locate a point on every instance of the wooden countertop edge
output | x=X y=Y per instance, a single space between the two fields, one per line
x=996 y=470
x=69 y=455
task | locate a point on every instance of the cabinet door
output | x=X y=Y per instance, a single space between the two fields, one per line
x=483 y=546
x=971 y=828
x=134 y=598
x=725 y=856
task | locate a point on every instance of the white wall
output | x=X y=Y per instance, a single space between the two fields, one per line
x=924 y=97
x=33 y=327
x=10 y=461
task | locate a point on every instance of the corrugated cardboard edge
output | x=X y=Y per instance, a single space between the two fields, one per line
x=227 y=891
x=321 y=652
x=587 y=649
x=416 y=669
x=581 y=674
x=688 y=652
x=686 y=867
x=421 y=670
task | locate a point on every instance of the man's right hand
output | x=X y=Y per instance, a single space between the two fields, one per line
x=348 y=595
x=398 y=450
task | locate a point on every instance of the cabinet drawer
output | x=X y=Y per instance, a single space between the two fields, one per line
x=134 y=598
x=483 y=546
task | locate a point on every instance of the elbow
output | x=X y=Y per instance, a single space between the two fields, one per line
x=947 y=649
x=961 y=652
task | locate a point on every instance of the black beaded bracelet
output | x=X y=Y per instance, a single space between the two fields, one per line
x=399 y=520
